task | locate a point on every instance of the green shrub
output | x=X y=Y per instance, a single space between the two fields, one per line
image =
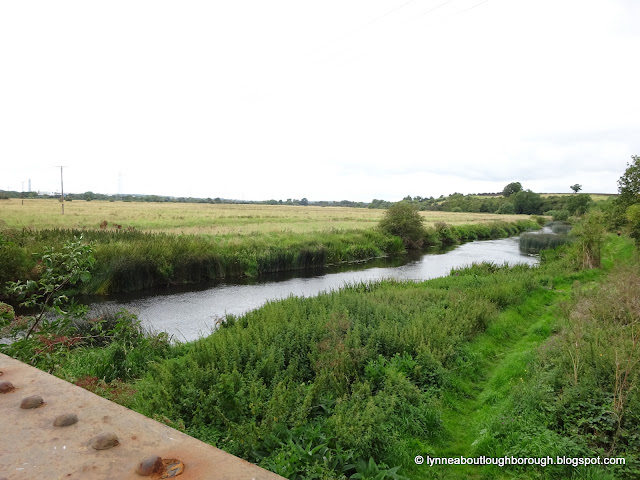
x=402 y=219
x=559 y=215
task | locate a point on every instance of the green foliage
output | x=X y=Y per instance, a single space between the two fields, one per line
x=578 y=204
x=351 y=375
x=576 y=187
x=629 y=183
x=591 y=233
x=512 y=189
x=60 y=339
x=527 y=202
x=114 y=347
x=133 y=260
x=7 y=314
x=372 y=471
x=57 y=270
x=558 y=215
x=15 y=263
x=580 y=397
x=506 y=208
x=445 y=234
x=633 y=217
x=540 y=220
x=403 y=220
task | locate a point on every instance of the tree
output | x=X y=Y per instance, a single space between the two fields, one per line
x=576 y=188
x=579 y=204
x=403 y=220
x=506 y=208
x=527 y=202
x=629 y=183
x=512 y=188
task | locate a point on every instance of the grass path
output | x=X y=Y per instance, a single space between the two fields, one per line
x=495 y=362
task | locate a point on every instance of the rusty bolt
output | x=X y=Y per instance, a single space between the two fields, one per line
x=149 y=466
x=172 y=468
x=6 y=387
x=65 y=420
x=34 y=401
x=104 y=441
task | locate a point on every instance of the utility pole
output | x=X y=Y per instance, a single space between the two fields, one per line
x=61 y=187
x=22 y=194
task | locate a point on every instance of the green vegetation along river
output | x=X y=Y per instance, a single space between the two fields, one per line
x=188 y=313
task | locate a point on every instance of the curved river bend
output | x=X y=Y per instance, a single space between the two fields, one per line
x=191 y=312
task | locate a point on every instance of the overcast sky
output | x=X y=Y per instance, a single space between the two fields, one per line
x=329 y=100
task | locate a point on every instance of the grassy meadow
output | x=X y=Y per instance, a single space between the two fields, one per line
x=208 y=219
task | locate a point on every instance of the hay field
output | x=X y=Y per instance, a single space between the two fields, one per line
x=209 y=219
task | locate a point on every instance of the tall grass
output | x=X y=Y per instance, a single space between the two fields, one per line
x=560 y=227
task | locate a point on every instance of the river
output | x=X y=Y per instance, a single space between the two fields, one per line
x=187 y=313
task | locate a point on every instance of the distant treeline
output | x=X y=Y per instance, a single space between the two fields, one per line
x=521 y=202
x=88 y=196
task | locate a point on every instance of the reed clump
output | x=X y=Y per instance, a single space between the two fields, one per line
x=533 y=243
x=560 y=227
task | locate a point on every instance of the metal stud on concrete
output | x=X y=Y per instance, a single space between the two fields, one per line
x=6 y=387
x=34 y=401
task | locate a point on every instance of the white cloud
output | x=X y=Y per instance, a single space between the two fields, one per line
x=330 y=100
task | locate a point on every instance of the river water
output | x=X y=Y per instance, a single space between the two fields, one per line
x=188 y=313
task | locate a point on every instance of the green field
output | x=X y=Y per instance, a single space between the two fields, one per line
x=208 y=219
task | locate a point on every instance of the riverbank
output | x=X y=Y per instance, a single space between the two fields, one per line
x=364 y=379
x=130 y=260
x=361 y=380
x=188 y=312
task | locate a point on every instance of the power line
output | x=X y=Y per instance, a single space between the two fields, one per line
x=61 y=187
x=437 y=7
x=471 y=8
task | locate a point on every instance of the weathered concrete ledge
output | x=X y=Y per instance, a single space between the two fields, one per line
x=32 y=447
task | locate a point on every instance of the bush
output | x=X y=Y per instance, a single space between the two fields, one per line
x=558 y=215
x=633 y=216
x=403 y=220
x=591 y=233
